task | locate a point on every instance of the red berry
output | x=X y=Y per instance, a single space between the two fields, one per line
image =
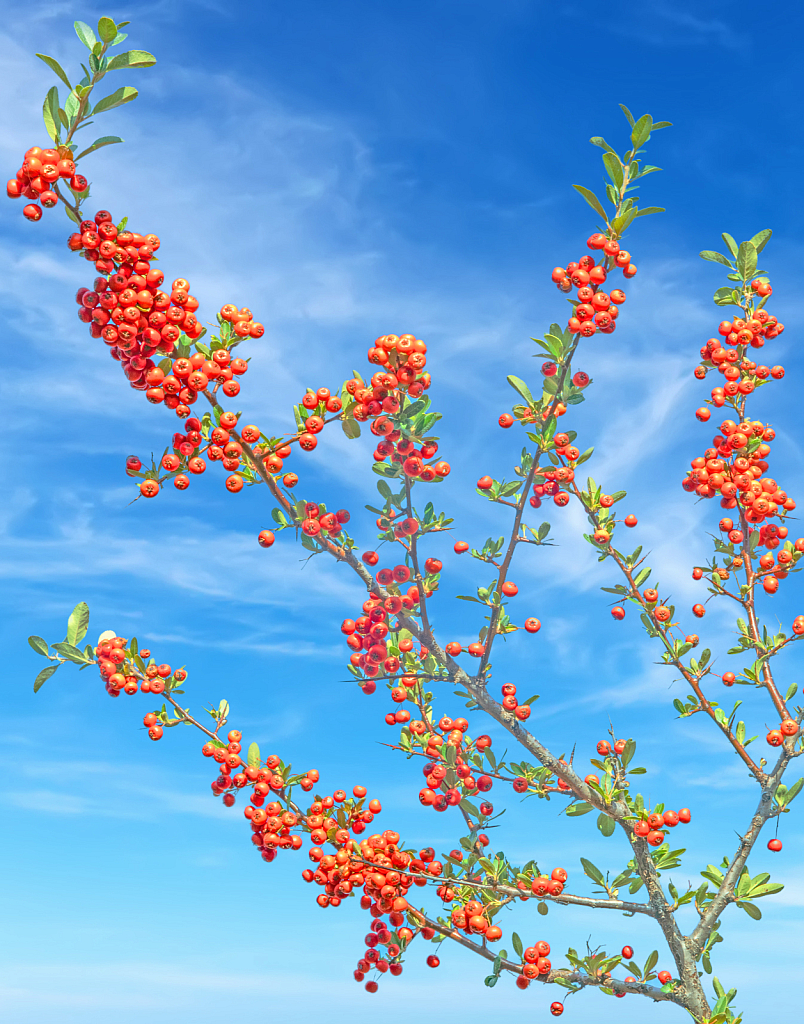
x=775 y=845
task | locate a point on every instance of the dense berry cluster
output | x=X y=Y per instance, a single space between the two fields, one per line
x=594 y=310
x=39 y=175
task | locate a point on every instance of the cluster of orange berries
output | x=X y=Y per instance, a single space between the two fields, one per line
x=121 y=675
x=404 y=452
x=125 y=307
x=787 y=728
x=594 y=310
x=368 y=635
x=404 y=359
x=39 y=174
x=733 y=467
x=742 y=374
x=180 y=385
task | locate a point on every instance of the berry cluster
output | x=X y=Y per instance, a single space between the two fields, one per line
x=594 y=310
x=38 y=178
x=374 y=637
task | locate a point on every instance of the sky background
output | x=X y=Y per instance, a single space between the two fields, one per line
x=347 y=170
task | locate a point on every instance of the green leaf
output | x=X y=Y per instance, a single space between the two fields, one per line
x=517 y=943
x=78 y=623
x=747 y=260
x=50 y=113
x=116 y=99
x=43 y=676
x=106 y=140
x=70 y=652
x=750 y=909
x=593 y=201
x=85 y=34
x=577 y=809
x=650 y=963
x=730 y=242
x=714 y=257
x=724 y=297
x=641 y=131
x=131 y=59
x=55 y=67
x=615 y=170
x=593 y=872
x=542 y=908
x=761 y=239
x=522 y=388
x=107 y=30
x=254 y=759
x=647 y=210
x=628 y=114
x=606 y=825
x=628 y=753
x=38 y=645
x=350 y=427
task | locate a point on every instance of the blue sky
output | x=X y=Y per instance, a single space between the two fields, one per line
x=348 y=170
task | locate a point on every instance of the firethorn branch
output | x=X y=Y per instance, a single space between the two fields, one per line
x=127 y=311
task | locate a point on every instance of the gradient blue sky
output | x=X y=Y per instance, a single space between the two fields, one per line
x=349 y=169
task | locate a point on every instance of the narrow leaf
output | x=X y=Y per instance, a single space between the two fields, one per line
x=254 y=759
x=592 y=199
x=647 y=210
x=55 y=67
x=106 y=140
x=43 y=676
x=116 y=99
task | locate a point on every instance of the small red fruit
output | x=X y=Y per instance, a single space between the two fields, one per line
x=775 y=845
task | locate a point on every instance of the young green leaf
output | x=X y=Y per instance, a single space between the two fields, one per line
x=85 y=34
x=641 y=131
x=132 y=59
x=78 y=623
x=647 y=210
x=254 y=759
x=116 y=99
x=107 y=30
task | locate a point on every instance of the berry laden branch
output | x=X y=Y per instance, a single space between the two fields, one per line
x=159 y=342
